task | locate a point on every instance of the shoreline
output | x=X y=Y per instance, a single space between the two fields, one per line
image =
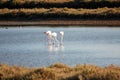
x=101 y=23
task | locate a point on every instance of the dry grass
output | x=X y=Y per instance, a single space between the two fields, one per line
x=21 y=2
x=44 y=1
x=55 y=1
x=60 y=71
x=71 y=13
x=58 y=3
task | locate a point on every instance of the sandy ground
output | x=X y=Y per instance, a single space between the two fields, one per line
x=114 y=23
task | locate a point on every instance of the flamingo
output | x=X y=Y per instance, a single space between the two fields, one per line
x=54 y=36
x=49 y=37
x=61 y=37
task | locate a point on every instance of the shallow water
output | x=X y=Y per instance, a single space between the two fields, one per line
x=28 y=46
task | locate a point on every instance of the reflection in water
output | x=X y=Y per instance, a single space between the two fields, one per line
x=61 y=48
x=52 y=48
x=55 y=54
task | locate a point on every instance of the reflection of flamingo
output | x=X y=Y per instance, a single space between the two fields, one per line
x=54 y=36
x=61 y=37
x=61 y=47
x=50 y=48
x=49 y=37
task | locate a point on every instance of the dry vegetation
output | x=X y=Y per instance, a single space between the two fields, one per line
x=32 y=10
x=59 y=9
x=60 y=72
x=60 y=13
x=59 y=3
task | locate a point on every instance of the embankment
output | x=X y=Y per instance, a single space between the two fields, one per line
x=67 y=23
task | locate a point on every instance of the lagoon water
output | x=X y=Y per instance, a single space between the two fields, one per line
x=28 y=46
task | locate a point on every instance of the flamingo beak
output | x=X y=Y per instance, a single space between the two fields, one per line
x=44 y=32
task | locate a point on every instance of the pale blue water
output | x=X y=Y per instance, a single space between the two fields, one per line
x=28 y=47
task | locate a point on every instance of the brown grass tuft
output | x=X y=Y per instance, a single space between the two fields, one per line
x=60 y=71
x=60 y=13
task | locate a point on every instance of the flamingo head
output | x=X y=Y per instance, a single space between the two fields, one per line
x=48 y=33
x=61 y=33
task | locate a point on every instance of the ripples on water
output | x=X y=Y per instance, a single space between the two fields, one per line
x=28 y=47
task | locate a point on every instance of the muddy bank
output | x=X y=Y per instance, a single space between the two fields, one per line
x=113 y=23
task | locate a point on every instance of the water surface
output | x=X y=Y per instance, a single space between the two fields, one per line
x=28 y=46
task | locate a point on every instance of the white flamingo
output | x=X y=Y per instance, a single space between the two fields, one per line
x=54 y=36
x=61 y=37
x=49 y=37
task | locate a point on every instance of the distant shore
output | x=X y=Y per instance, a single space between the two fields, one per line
x=102 y=23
